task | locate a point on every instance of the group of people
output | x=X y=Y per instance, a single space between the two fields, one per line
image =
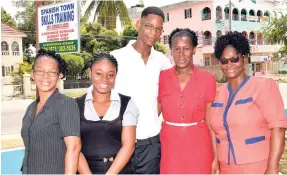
x=114 y=128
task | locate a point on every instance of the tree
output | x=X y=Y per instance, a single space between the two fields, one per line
x=89 y=31
x=27 y=20
x=107 y=41
x=74 y=62
x=5 y=17
x=24 y=68
x=129 y=33
x=160 y=47
x=98 y=39
x=107 y=12
x=276 y=32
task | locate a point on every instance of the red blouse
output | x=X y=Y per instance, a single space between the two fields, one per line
x=186 y=106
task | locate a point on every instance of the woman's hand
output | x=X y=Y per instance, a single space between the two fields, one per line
x=215 y=167
x=271 y=171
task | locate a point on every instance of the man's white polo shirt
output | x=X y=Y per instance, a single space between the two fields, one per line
x=140 y=81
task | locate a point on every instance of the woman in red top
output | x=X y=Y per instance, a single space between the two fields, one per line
x=185 y=96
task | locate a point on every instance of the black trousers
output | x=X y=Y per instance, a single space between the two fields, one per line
x=146 y=158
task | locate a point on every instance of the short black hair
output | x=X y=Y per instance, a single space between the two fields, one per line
x=99 y=57
x=152 y=10
x=52 y=54
x=183 y=32
x=234 y=39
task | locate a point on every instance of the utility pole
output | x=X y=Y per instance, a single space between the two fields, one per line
x=39 y=3
x=230 y=15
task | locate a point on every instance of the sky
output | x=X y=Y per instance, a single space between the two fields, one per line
x=7 y=4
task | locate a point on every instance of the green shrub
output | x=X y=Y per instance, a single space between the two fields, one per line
x=284 y=72
x=75 y=64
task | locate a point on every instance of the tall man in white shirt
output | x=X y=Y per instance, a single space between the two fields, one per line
x=138 y=75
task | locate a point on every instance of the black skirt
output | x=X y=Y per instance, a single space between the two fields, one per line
x=101 y=167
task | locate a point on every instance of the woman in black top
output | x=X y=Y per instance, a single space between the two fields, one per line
x=51 y=125
x=108 y=122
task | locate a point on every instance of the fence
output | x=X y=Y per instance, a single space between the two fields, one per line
x=14 y=88
x=76 y=82
x=69 y=83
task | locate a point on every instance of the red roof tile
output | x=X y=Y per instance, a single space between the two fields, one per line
x=10 y=31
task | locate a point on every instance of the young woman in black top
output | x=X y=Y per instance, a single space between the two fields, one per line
x=108 y=122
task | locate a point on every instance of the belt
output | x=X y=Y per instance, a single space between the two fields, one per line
x=148 y=141
x=183 y=124
x=105 y=159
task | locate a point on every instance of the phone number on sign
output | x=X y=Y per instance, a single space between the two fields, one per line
x=67 y=48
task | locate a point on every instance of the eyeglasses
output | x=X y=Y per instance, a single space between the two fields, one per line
x=151 y=27
x=232 y=60
x=50 y=73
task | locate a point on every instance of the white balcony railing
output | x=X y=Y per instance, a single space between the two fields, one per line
x=5 y=53
x=16 y=53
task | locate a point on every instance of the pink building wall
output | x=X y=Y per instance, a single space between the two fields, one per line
x=177 y=19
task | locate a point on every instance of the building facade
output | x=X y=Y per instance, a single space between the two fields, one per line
x=11 y=51
x=211 y=19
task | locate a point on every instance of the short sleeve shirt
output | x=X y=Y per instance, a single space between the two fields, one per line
x=140 y=81
x=185 y=106
x=44 y=134
x=242 y=119
x=259 y=98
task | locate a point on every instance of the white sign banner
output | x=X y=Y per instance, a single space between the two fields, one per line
x=259 y=58
x=59 y=27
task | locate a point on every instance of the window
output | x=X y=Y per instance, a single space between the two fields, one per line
x=15 y=49
x=206 y=61
x=165 y=39
x=207 y=38
x=243 y=15
x=252 y=38
x=4 y=48
x=218 y=13
x=218 y=33
x=235 y=15
x=206 y=14
x=6 y=71
x=166 y=17
x=226 y=13
x=187 y=13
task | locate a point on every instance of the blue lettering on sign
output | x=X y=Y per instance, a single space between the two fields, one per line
x=64 y=17
x=67 y=7
x=56 y=15
x=47 y=20
x=49 y=10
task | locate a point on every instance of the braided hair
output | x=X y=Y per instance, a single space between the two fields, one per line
x=99 y=57
x=52 y=54
x=183 y=32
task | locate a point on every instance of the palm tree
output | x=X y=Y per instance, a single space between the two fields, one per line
x=107 y=12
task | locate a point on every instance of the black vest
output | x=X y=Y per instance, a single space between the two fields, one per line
x=101 y=138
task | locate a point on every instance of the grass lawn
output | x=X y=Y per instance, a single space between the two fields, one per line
x=76 y=94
